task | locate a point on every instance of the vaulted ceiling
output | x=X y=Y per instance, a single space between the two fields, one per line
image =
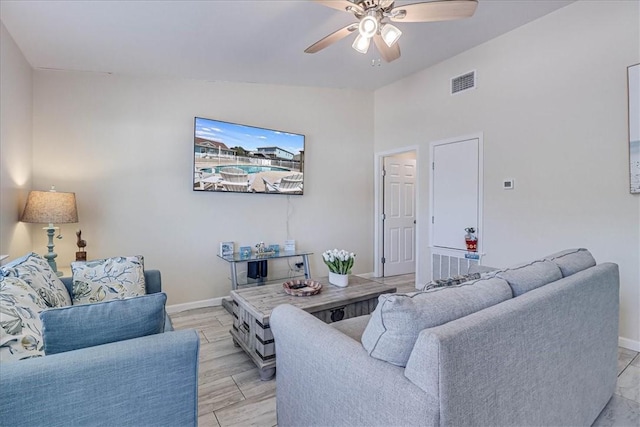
x=256 y=41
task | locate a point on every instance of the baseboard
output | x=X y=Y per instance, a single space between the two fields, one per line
x=630 y=344
x=177 y=308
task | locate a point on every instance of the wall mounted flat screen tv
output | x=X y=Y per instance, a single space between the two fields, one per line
x=230 y=157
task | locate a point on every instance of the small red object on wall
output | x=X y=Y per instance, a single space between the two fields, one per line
x=471 y=240
x=472 y=245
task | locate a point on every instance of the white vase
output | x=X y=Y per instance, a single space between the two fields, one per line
x=336 y=279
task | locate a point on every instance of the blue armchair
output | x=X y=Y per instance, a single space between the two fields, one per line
x=147 y=381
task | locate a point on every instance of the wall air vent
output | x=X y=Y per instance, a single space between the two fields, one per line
x=464 y=82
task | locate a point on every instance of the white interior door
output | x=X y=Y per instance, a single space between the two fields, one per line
x=399 y=216
x=455 y=192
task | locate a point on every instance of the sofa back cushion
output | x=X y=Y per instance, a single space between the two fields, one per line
x=35 y=270
x=108 y=279
x=88 y=325
x=571 y=261
x=398 y=319
x=526 y=277
x=20 y=326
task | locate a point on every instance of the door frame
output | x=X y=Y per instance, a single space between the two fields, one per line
x=378 y=246
x=480 y=231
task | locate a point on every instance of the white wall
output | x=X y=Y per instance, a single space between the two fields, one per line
x=125 y=146
x=552 y=103
x=16 y=109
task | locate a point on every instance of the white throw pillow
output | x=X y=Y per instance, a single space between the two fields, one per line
x=108 y=279
x=20 y=324
x=35 y=270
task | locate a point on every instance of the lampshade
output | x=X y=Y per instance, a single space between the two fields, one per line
x=390 y=34
x=50 y=207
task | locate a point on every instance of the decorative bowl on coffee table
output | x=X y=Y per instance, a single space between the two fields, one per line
x=302 y=288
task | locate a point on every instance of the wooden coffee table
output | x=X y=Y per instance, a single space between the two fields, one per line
x=252 y=308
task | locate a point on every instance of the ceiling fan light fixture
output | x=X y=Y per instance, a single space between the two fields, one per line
x=372 y=16
x=368 y=26
x=390 y=34
x=361 y=44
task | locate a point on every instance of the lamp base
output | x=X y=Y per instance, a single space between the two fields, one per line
x=51 y=255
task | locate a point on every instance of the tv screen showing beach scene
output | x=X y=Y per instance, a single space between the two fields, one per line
x=230 y=157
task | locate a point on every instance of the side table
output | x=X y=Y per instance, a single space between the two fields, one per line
x=237 y=258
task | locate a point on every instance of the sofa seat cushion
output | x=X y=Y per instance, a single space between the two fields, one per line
x=35 y=270
x=20 y=326
x=353 y=327
x=398 y=319
x=108 y=279
x=526 y=277
x=88 y=325
x=571 y=261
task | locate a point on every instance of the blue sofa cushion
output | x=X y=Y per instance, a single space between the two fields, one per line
x=87 y=325
x=35 y=270
x=398 y=319
x=108 y=279
x=20 y=326
x=571 y=261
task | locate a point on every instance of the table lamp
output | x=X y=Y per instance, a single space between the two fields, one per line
x=50 y=207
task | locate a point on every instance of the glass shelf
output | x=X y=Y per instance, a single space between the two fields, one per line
x=238 y=257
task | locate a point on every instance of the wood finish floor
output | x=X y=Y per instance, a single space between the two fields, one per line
x=231 y=393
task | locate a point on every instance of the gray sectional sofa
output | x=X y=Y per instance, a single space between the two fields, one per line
x=534 y=344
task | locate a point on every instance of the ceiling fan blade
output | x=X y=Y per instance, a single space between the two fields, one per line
x=343 y=5
x=387 y=53
x=385 y=3
x=332 y=38
x=442 y=10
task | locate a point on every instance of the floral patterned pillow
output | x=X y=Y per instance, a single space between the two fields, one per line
x=108 y=279
x=35 y=270
x=20 y=324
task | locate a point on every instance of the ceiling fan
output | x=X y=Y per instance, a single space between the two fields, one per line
x=373 y=14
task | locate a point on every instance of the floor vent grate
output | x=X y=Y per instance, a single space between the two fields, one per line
x=443 y=266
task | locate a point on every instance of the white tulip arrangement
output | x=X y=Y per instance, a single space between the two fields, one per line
x=339 y=261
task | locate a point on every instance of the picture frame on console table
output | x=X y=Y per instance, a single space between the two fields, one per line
x=226 y=249
x=633 y=86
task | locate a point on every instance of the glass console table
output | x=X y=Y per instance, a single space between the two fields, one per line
x=237 y=258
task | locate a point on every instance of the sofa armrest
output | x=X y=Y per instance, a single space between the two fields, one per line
x=151 y=380
x=326 y=378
